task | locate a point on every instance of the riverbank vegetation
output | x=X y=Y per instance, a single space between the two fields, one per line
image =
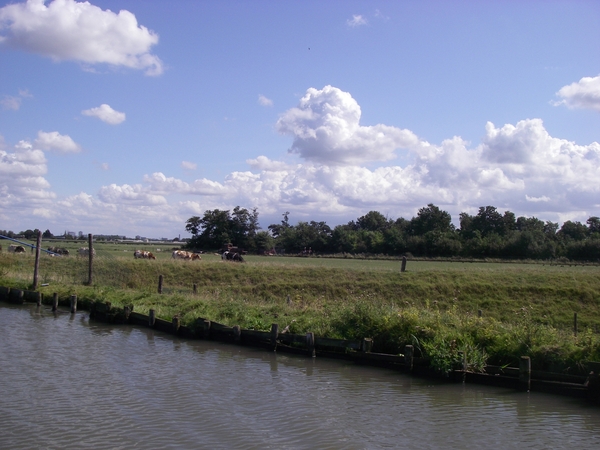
x=526 y=309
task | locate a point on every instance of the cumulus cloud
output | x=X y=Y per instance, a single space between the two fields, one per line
x=519 y=167
x=356 y=21
x=325 y=126
x=22 y=178
x=584 y=93
x=79 y=31
x=106 y=114
x=56 y=141
x=264 y=101
x=14 y=101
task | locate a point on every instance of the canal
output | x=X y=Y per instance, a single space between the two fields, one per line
x=68 y=383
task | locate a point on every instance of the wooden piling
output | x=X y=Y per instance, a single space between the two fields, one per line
x=274 y=334
x=36 y=267
x=38 y=297
x=525 y=373
x=237 y=333
x=206 y=329
x=160 y=284
x=366 y=345
x=126 y=312
x=151 y=318
x=73 y=304
x=176 y=324
x=408 y=357
x=403 y=268
x=54 y=302
x=310 y=344
x=91 y=259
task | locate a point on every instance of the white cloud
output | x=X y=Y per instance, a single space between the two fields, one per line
x=326 y=129
x=55 y=141
x=582 y=94
x=79 y=31
x=519 y=167
x=264 y=101
x=187 y=165
x=356 y=21
x=106 y=114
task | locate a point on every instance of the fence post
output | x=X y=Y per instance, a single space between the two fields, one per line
x=39 y=298
x=91 y=256
x=151 y=318
x=525 y=373
x=54 y=302
x=36 y=267
x=403 y=268
x=195 y=289
x=176 y=323
x=160 y=284
x=73 y=304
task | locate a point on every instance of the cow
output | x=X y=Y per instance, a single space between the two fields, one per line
x=141 y=254
x=59 y=251
x=188 y=256
x=85 y=251
x=232 y=256
x=16 y=249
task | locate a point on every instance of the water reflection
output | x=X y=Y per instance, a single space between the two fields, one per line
x=71 y=383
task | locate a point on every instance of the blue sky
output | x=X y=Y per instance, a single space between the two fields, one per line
x=129 y=117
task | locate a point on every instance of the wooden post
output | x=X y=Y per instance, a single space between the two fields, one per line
x=237 y=333
x=36 y=267
x=54 y=301
x=403 y=268
x=366 y=345
x=274 y=334
x=151 y=318
x=73 y=304
x=310 y=344
x=126 y=313
x=206 y=329
x=575 y=324
x=160 y=284
x=408 y=357
x=91 y=256
x=525 y=373
x=176 y=323
x=195 y=289
x=39 y=297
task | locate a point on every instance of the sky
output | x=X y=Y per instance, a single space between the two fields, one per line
x=129 y=117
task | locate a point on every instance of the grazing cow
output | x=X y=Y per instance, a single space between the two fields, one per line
x=59 y=251
x=85 y=251
x=16 y=249
x=141 y=254
x=232 y=256
x=188 y=256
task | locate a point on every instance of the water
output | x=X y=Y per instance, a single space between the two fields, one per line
x=67 y=383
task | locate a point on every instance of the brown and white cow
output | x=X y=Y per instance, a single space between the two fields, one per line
x=142 y=254
x=182 y=254
x=85 y=251
x=16 y=249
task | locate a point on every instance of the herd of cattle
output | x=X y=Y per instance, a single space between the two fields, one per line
x=227 y=255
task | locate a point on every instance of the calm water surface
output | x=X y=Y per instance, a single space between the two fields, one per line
x=67 y=383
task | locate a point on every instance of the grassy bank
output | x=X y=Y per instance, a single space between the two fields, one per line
x=527 y=309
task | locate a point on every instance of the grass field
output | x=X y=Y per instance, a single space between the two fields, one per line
x=526 y=309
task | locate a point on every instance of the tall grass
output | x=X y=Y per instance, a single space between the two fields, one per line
x=526 y=309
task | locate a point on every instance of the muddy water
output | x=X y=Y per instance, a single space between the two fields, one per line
x=67 y=383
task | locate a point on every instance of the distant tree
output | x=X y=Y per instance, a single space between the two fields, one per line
x=431 y=218
x=217 y=227
x=573 y=231
x=47 y=235
x=593 y=225
x=373 y=221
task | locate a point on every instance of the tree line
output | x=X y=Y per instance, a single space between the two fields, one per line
x=487 y=234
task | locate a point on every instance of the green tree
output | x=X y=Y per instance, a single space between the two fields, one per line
x=431 y=218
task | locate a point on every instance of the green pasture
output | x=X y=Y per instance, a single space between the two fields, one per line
x=526 y=309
